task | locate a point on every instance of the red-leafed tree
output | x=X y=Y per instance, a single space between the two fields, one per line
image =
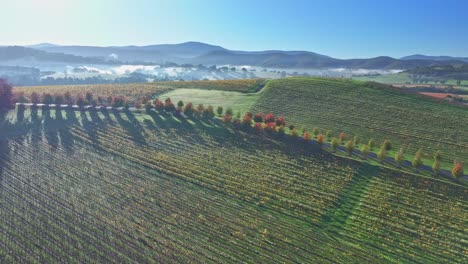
x=457 y=169
x=258 y=127
x=306 y=136
x=280 y=121
x=247 y=120
x=158 y=105
x=320 y=139
x=188 y=109
x=342 y=136
x=269 y=118
x=169 y=105
x=6 y=96
x=258 y=118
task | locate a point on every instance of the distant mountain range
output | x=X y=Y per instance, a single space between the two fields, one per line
x=434 y=58
x=201 y=53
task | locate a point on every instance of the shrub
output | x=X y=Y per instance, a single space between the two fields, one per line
x=399 y=155
x=280 y=121
x=417 y=159
x=291 y=127
x=188 y=110
x=269 y=118
x=219 y=110
x=320 y=139
x=371 y=144
x=364 y=151
x=258 y=118
x=328 y=134
x=342 y=136
x=438 y=155
x=335 y=142
x=306 y=136
x=6 y=96
x=457 y=170
x=382 y=154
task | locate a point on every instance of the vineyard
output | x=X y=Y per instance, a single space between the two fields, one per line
x=370 y=111
x=140 y=188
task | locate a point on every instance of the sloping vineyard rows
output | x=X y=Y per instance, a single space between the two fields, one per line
x=369 y=112
x=117 y=199
x=117 y=188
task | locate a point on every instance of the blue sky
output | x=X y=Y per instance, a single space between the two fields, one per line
x=342 y=29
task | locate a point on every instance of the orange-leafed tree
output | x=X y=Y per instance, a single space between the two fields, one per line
x=306 y=136
x=342 y=136
x=320 y=139
x=457 y=169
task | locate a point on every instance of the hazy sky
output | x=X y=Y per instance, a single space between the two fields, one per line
x=342 y=29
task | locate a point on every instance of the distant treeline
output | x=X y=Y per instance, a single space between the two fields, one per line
x=441 y=72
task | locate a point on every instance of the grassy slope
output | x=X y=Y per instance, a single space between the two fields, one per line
x=401 y=78
x=123 y=188
x=369 y=112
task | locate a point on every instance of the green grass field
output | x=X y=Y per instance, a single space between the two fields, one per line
x=136 y=188
x=242 y=102
x=357 y=108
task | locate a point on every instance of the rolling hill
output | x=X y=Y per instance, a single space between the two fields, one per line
x=201 y=53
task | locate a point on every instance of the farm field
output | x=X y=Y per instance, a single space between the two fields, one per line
x=403 y=78
x=361 y=109
x=137 y=188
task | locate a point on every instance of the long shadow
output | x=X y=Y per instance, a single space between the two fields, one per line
x=36 y=123
x=136 y=132
x=66 y=137
x=50 y=129
x=91 y=129
x=4 y=148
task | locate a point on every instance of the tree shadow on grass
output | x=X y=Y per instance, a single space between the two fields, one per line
x=50 y=129
x=133 y=129
x=91 y=129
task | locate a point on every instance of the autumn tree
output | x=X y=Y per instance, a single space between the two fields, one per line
x=208 y=113
x=399 y=156
x=89 y=97
x=6 y=96
x=58 y=100
x=180 y=104
x=158 y=105
x=349 y=147
x=315 y=131
x=371 y=144
x=280 y=121
x=382 y=154
x=293 y=134
x=335 y=142
x=269 y=118
x=364 y=151
x=437 y=162
x=356 y=140
x=258 y=118
x=342 y=136
x=320 y=139
x=229 y=111
x=328 y=134
x=188 y=109
x=169 y=105
x=307 y=137
x=35 y=98
x=417 y=159
x=387 y=144
x=457 y=170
